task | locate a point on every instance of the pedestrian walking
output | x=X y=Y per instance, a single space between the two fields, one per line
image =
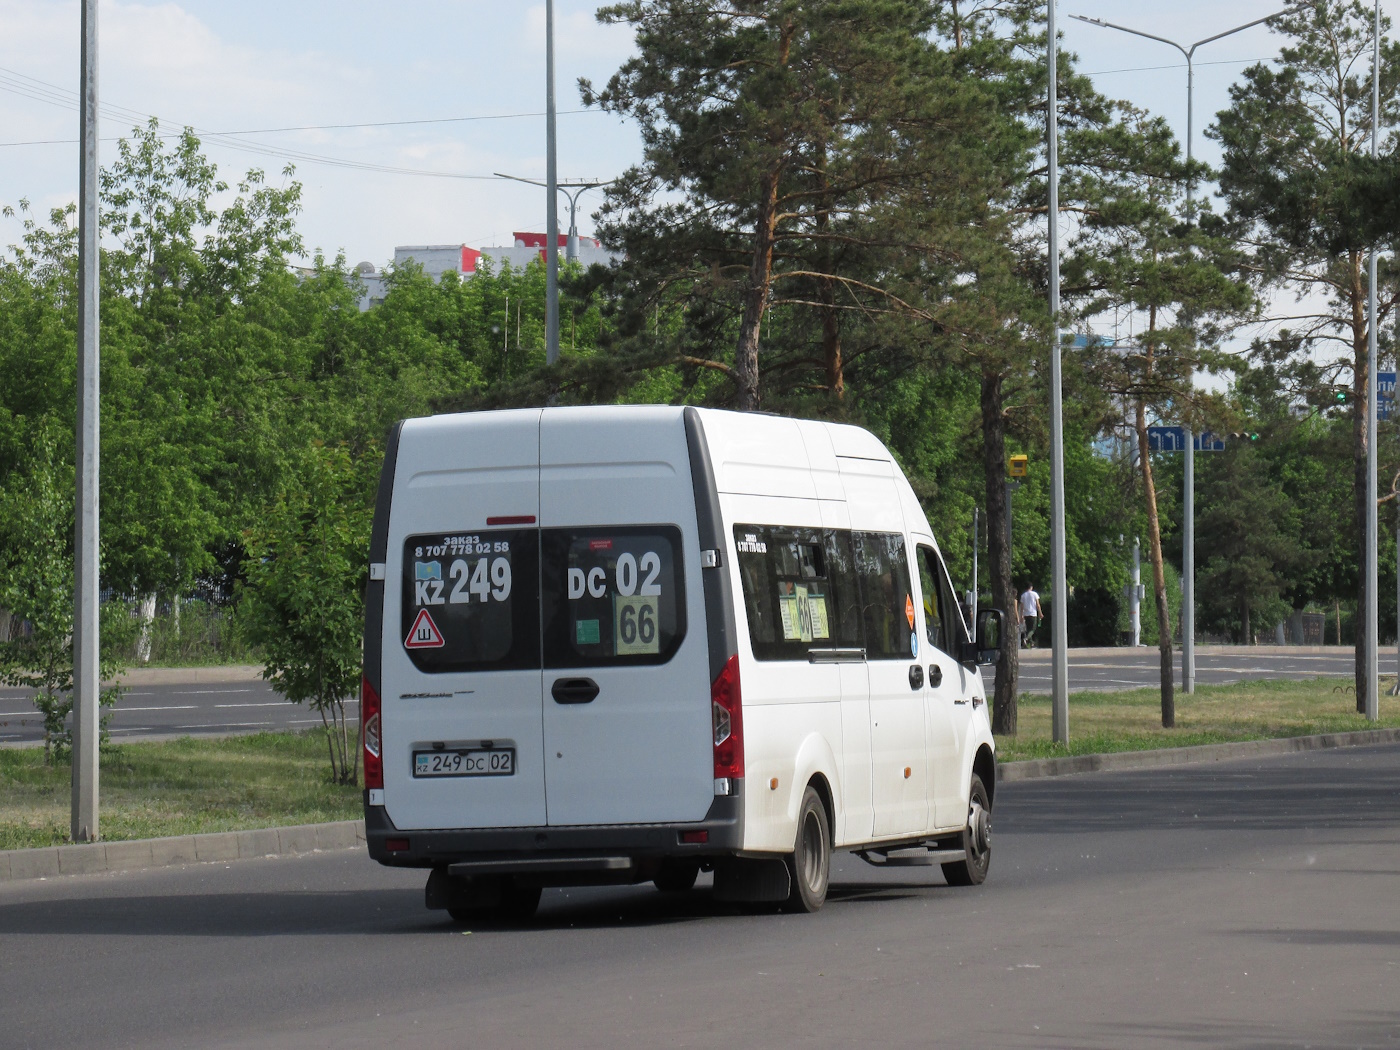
x=1030 y=615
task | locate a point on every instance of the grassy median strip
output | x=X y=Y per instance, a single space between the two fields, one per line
x=1131 y=720
x=178 y=787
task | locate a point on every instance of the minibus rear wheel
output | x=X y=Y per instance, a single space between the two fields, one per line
x=809 y=864
x=677 y=876
x=976 y=840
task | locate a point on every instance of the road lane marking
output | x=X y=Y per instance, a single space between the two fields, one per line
x=204 y=692
x=174 y=707
x=260 y=703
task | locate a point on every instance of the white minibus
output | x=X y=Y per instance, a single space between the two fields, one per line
x=631 y=643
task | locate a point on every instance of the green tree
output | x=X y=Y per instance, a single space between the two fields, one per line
x=36 y=587
x=777 y=135
x=1250 y=528
x=1139 y=253
x=305 y=593
x=1306 y=203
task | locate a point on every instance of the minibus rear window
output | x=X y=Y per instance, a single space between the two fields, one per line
x=799 y=590
x=471 y=600
x=612 y=595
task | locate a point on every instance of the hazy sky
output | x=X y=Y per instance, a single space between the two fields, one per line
x=255 y=65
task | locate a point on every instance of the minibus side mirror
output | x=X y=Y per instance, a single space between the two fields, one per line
x=986 y=647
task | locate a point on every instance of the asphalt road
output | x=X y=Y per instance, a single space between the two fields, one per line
x=171 y=709
x=1242 y=905
x=1109 y=669
x=247 y=705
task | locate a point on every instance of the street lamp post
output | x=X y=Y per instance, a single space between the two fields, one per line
x=86 y=685
x=551 y=222
x=1373 y=575
x=1059 y=598
x=1188 y=546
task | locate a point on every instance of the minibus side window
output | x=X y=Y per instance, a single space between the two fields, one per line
x=955 y=626
x=886 y=598
x=471 y=600
x=933 y=598
x=946 y=628
x=796 y=585
x=612 y=595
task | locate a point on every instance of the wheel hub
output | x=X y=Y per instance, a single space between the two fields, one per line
x=979 y=825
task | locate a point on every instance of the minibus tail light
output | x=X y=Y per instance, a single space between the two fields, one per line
x=727 y=712
x=369 y=719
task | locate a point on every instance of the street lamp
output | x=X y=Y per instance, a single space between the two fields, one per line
x=1188 y=546
x=571 y=245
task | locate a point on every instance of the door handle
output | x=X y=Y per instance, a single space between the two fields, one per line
x=916 y=677
x=935 y=675
x=574 y=690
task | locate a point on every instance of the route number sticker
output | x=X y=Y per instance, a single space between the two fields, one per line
x=635 y=625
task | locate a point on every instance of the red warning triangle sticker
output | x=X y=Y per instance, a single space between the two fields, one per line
x=424 y=634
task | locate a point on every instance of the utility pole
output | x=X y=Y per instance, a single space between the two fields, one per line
x=1188 y=540
x=1373 y=575
x=1059 y=598
x=86 y=684
x=551 y=220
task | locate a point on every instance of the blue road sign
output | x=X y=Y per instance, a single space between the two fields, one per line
x=1385 y=394
x=1173 y=439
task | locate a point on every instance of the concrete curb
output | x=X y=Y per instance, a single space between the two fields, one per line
x=179 y=849
x=190 y=675
x=1035 y=768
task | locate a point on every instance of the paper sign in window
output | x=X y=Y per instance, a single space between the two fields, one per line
x=635 y=628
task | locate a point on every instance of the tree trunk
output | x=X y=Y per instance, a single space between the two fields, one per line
x=998 y=552
x=1244 y=625
x=147 y=619
x=831 y=341
x=756 y=297
x=1159 y=578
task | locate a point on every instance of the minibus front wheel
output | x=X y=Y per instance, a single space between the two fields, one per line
x=976 y=840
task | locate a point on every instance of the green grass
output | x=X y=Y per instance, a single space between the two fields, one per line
x=178 y=787
x=1132 y=720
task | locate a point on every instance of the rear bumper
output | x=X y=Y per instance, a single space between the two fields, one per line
x=561 y=850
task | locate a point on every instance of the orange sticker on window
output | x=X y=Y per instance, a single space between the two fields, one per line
x=909 y=610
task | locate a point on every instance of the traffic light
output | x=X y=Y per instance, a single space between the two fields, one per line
x=1343 y=396
x=1245 y=436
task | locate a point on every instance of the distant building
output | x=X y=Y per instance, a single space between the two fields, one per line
x=437 y=259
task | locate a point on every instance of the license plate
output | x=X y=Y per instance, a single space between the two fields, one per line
x=465 y=762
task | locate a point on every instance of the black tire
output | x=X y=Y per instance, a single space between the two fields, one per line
x=505 y=899
x=809 y=864
x=976 y=840
x=677 y=876
x=518 y=902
